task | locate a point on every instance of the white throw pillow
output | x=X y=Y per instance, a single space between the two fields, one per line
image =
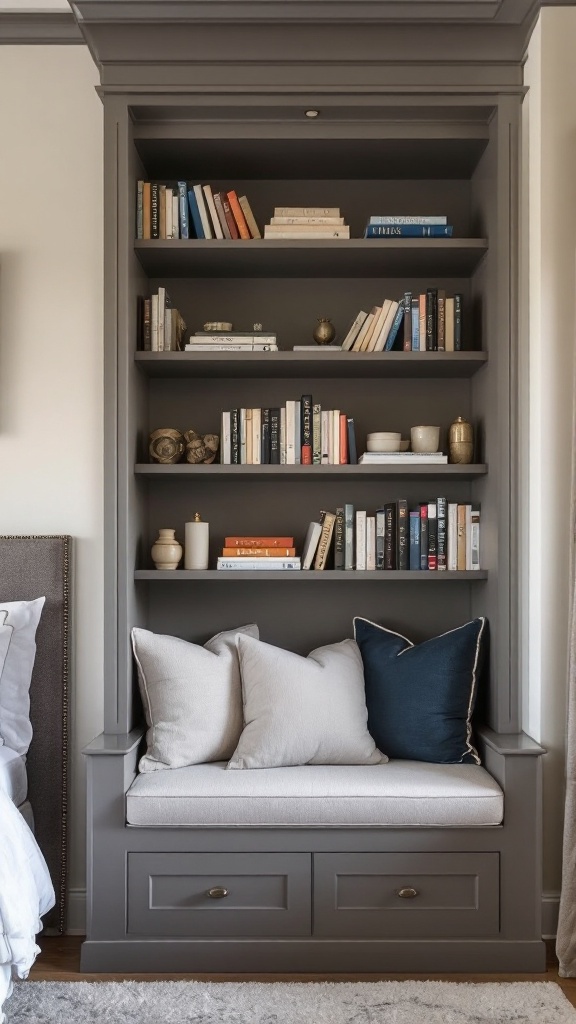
x=192 y=697
x=303 y=710
x=18 y=645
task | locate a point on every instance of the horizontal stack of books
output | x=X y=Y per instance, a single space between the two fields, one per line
x=306 y=222
x=160 y=327
x=192 y=211
x=266 y=553
x=232 y=341
x=402 y=458
x=433 y=535
x=297 y=433
x=405 y=226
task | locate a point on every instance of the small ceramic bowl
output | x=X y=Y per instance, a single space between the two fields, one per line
x=383 y=441
x=404 y=445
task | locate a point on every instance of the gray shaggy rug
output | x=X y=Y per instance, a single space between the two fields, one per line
x=382 y=1002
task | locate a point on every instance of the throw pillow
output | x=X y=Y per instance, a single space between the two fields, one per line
x=303 y=710
x=18 y=642
x=191 y=695
x=421 y=697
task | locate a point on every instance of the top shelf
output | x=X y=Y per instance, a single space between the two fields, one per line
x=355 y=257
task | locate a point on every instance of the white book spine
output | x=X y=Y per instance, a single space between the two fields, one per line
x=154 y=323
x=167 y=196
x=475 y=538
x=283 y=436
x=216 y=226
x=354 y=330
x=175 y=216
x=243 y=437
x=161 y=315
x=452 y=537
x=167 y=330
x=230 y=348
x=256 y=437
x=310 y=544
x=335 y=221
x=468 y=536
x=250 y=564
x=361 y=540
x=370 y=542
x=330 y=438
x=249 y=437
x=324 y=437
x=287 y=232
x=206 y=227
x=290 y=432
x=306 y=211
x=336 y=436
x=226 y=440
x=213 y=338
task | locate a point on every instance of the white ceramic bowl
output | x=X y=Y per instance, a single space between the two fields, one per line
x=384 y=441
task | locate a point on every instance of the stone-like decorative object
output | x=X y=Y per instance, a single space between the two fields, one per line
x=460 y=441
x=325 y=332
x=201 y=448
x=166 y=445
x=166 y=551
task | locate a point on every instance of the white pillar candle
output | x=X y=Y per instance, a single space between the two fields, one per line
x=196 y=544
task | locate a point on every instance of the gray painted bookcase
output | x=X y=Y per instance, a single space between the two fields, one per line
x=416 y=116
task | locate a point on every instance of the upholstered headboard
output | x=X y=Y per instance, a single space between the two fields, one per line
x=33 y=567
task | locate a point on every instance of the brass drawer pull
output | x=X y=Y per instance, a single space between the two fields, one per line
x=407 y=894
x=217 y=893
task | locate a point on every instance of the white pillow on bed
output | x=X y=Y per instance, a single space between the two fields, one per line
x=19 y=621
x=192 y=697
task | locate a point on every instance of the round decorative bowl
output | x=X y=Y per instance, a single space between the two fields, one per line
x=383 y=441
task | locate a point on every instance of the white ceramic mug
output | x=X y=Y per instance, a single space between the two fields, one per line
x=425 y=439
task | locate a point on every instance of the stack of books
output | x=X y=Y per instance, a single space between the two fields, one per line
x=402 y=458
x=432 y=321
x=232 y=341
x=434 y=535
x=306 y=222
x=161 y=328
x=406 y=226
x=192 y=211
x=297 y=433
x=266 y=553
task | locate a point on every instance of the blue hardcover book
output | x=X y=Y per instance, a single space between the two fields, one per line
x=414 y=549
x=415 y=311
x=397 y=321
x=407 y=219
x=183 y=210
x=408 y=231
x=195 y=212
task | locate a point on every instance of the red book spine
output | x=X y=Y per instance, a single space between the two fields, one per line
x=229 y=216
x=259 y=542
x=343 y=439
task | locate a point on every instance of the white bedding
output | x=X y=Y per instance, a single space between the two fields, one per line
x=26 y=892
x=13 y=778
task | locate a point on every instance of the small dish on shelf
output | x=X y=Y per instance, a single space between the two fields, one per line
x=383 y=441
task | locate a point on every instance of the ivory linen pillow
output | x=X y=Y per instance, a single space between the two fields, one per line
x=303 y=710
x=191 y=695
x=19 y=622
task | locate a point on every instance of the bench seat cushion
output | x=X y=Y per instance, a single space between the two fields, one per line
x=409 y=793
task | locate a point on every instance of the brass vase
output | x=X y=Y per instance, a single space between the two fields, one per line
x=325 y=332
x=166 y=445
x=460 y=441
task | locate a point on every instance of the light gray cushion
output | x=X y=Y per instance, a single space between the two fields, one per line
x=18 y=624
x=13 y=778
x=303 y=710
x=191 y=695
x=399 y=793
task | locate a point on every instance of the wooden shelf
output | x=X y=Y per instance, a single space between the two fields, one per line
x=217 y=471
x=354 y=257
x=310 y=575
x=311 y=364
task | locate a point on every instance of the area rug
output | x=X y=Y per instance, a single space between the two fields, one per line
x=381 y=1002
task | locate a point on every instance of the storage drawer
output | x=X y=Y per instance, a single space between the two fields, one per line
x=223 y=894
x=408 y=895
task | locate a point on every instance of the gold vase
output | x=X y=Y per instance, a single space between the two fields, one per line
x=325 y=332
x=166 y=445
x=460 y=441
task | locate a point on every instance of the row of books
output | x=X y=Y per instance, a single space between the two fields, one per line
x=297 y=433
x=306 y=222
x=160 y=326
x=428 y=322
x=259 y=553
x=192 y=211
x=408 y=227
x=233 y=341
x=433 y=535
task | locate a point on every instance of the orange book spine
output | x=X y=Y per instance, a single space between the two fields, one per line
x=258 y=552
x=343 y=439
x=238 y=215
x=259 y=542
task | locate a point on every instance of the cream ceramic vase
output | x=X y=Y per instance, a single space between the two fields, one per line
x=166 y=551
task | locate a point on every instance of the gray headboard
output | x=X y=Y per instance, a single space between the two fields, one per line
x=33 y=567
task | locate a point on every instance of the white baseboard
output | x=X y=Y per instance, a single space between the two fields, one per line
x=77 y=913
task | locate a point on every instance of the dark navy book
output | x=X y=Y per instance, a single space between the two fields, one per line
x=183 y=210
x=196 y=220
x=408 y=231
x=414 y=549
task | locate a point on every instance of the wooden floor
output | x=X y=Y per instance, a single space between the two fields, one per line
x=60 y=961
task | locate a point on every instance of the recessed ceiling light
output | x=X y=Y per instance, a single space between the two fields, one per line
x=312 y=113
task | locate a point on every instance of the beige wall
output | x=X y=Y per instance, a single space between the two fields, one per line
x=51 y=345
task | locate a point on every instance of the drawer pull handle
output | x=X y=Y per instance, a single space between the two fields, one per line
x=217 y=893
x=407 y=894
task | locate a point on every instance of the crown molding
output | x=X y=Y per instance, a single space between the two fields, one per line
x=35 y=27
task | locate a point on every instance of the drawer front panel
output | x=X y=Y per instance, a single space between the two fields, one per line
x=220 y=894
x=407 y=895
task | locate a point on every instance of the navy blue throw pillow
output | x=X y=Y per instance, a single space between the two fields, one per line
x=420 y=698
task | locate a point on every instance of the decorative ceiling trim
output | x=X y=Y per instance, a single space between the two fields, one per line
x=29 y=28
